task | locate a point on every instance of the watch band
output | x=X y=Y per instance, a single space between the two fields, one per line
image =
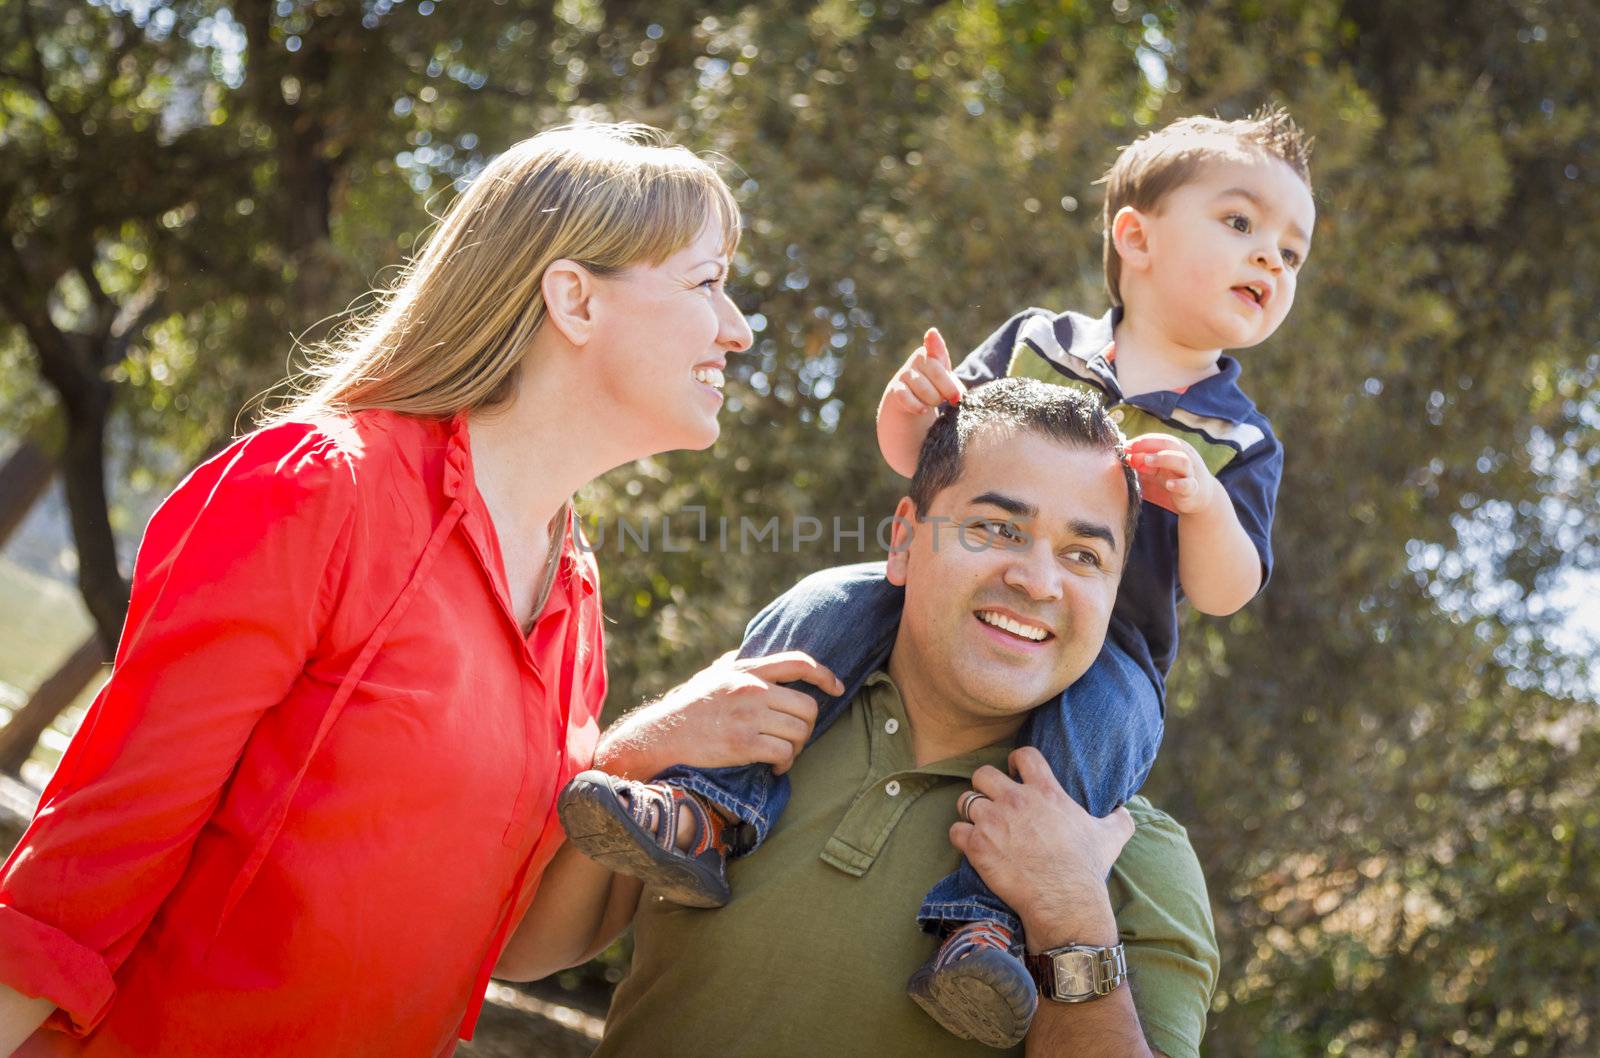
x=1091 y=972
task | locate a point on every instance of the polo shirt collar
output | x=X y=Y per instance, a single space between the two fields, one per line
x=1216 y=397
x=894 y=780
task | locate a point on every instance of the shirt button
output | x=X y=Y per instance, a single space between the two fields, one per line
x=892 y=788
x=1116 y=415
x=891 y=725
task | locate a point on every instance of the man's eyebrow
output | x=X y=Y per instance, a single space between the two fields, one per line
x=1260 y=203
x=1008 y=504
x=1094 y=530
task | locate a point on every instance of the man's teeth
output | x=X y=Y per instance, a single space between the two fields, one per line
x=709 y=375
x=1005 y=623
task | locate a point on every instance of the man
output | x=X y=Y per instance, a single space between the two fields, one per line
x=1021 y=511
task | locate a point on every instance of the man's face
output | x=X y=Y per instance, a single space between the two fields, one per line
x=1011 y=574
x=1221 y=255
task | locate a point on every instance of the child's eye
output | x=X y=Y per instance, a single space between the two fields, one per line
x=1238 y=222
x=1290 y=257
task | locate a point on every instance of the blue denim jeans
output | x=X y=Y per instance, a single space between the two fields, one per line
x=1100 y=736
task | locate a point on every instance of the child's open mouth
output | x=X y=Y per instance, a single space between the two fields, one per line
x=1254 y=293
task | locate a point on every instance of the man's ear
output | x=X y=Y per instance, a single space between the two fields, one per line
x=568 y=289
x=905 y=518
x=1131 y=237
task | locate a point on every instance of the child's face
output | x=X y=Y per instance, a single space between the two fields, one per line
x=1221 y=255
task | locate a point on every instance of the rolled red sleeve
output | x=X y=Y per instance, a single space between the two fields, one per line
x=233 y=583
x=40 y=960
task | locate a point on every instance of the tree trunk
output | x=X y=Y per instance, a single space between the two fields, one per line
x=104 y=591
x=24 y=478
x=18 y=738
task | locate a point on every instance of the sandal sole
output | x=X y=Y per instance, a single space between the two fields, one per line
x=977 y=999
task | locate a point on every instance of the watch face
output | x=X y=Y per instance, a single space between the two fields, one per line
x=1075 y=973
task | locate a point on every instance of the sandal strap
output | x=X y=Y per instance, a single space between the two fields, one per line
x=709 y=824
x=969 y=938
x=654 y=806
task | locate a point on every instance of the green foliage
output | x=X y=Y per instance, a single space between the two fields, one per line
x=1387 y=762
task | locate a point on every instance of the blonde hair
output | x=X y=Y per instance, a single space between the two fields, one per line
x=450 y=333
x=1153 y=166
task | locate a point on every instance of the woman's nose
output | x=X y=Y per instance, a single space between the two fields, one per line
x=735 y=334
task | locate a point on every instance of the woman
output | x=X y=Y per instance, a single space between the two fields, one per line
x=363 y=651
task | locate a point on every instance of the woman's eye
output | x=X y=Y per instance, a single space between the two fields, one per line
x=1238 y=222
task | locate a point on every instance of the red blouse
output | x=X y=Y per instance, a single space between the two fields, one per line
x=319 y=788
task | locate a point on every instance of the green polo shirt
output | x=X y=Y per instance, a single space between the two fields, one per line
x=812 y=954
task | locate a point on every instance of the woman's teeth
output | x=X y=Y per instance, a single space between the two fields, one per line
x=709 y=375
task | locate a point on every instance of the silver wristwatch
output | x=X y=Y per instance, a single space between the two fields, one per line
x=1078 y=973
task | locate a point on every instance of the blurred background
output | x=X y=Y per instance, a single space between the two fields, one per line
x=1388 y=763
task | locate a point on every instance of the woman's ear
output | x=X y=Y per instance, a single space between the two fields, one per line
x=1131 y=237
x=568 y=289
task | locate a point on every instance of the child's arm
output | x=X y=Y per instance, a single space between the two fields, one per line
x=1218 y=564
x=910 y=400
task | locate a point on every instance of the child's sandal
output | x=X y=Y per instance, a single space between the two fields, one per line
x=976 y=987
x=632 y=828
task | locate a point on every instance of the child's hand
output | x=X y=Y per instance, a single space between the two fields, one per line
x=926 y=380
x=922 y=384
x=1172 y=474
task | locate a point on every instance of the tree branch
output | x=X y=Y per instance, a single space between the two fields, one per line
x=153 y=308
x=105 y=308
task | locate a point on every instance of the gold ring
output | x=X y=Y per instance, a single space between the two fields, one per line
x=966 y=801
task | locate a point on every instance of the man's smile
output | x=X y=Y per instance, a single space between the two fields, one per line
x=1014 y=626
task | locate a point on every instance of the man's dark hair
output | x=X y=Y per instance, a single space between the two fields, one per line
x=1062 y=413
